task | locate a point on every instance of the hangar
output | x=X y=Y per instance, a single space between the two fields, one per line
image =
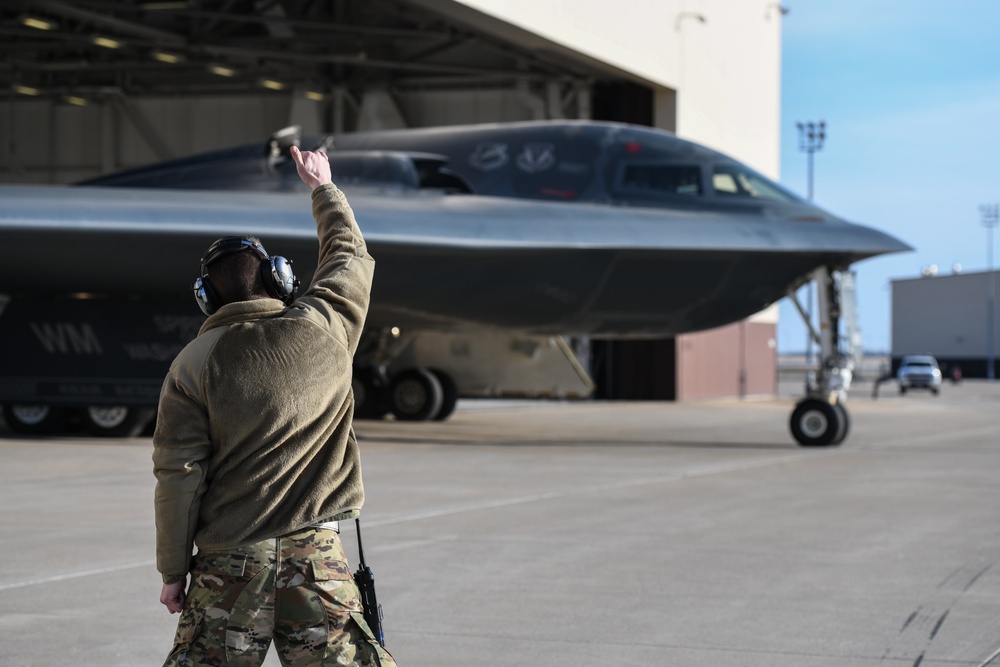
x=99 y=85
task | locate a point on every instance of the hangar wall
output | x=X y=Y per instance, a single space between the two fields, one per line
x=58 y=143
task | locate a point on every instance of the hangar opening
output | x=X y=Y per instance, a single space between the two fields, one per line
x=91 y=87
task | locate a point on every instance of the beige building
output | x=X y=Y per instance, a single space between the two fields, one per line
x=178 y=84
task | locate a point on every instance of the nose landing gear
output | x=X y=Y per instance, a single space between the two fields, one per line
x=821 y=418
x=818 y=423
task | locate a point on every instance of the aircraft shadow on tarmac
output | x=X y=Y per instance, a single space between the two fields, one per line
x=471 y=440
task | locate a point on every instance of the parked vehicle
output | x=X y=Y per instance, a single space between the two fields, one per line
x=919 y=371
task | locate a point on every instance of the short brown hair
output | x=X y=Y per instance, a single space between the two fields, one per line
x=236 y=276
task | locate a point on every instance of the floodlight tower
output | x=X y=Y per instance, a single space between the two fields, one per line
x=990 y=214
x=811 y=137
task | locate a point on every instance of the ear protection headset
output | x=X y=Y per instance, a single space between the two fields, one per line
x=275 y=272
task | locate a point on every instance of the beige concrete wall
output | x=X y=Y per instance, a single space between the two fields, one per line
x=626 y=36
x=729 y=84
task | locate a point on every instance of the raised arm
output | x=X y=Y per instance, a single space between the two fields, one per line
x=341 y=286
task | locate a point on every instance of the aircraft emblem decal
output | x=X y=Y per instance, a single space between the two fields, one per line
x=489 y=156
x=536 y=157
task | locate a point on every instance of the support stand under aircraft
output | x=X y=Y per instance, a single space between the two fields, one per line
x=419 y=376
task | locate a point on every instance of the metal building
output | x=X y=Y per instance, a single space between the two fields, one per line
x=948 y=317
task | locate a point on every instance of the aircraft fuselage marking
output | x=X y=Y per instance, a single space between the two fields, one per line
x=489 y=156
x=536 y=157
x=64 y=338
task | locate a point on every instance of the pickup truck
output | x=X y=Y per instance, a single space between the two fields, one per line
x=919 y=371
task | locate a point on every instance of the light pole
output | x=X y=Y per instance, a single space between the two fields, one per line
x=811 y=137
x=990 y=215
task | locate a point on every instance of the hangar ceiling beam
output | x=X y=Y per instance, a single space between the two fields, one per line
x=219 y=47
x=345 y=28
x=360 y=60
x=111 y=23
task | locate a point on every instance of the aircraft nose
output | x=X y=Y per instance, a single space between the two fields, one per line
x=883 y=243
x=860 y=242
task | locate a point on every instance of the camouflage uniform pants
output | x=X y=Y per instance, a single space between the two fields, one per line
x=296 y=589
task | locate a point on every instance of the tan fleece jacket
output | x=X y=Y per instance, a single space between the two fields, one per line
x=253 y=434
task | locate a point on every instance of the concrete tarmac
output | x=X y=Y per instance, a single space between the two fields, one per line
x=579 y=534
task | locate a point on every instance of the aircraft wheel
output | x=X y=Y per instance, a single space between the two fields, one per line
x=902 y=390
x=845 y=423
x=116 y=421
x=415 y=395
x=369 y=394
x=816 y=423
x=34 y=419
x=449 y=395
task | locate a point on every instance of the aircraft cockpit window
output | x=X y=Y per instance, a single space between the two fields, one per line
x=736 y=181
x=662 y=179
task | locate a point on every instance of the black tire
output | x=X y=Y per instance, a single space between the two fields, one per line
x=34 y=419
x=902 y=390
x=369 y=394
x=815 y=423
x=415 y=395
x=449 y=395
x=116 y=421
x=845 y=424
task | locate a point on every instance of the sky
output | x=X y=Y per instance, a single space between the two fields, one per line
x=910 y=92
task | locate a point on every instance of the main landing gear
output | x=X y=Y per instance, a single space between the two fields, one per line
x=410 y=394
x=414 y=394
x=418 y=376
x=106 y=421
x=821 y=418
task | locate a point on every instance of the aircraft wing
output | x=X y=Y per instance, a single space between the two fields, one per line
x=576 y=229
x=442 y=261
